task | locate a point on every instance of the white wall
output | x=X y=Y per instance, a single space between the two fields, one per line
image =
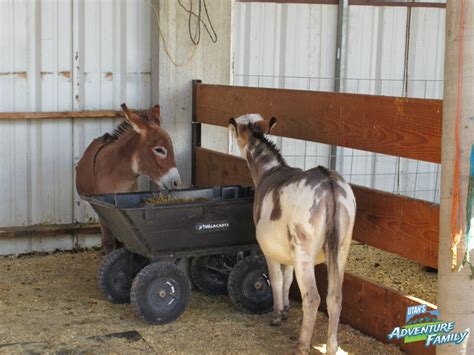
x=57 y=56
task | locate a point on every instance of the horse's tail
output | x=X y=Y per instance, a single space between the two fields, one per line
x=332 y=231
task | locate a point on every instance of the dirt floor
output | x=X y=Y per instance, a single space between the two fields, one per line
x=50 y=303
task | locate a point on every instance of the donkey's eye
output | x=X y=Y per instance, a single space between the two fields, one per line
x=160 y=151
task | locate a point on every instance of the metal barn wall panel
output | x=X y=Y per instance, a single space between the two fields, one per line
x=425 y=71
x=288 y=46
x=373 y=60
x=373 y=63
x=284 y=44
x=382 y=74
x=426 y=54
x=293 y=46
x=63 y=55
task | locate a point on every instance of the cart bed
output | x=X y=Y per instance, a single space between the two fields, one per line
x=223 y=221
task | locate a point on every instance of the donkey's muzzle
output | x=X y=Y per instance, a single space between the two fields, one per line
x=171 y=180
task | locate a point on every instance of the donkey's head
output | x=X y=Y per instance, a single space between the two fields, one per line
x=245 y=127
x=154 y=155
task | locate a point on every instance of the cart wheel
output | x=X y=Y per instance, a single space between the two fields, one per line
x=160 y=293
x=116 y=274
x=210 y=273
x=249 y=286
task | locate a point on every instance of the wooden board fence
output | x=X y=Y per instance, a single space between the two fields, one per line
x=404 y=127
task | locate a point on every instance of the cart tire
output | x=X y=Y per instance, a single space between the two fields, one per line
x=249 y=286
x=160 y=293
x=207 y=278
x=116 y=274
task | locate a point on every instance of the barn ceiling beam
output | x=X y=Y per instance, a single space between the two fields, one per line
x=356 y=2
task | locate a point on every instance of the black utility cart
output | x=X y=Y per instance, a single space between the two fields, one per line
x=216 y=231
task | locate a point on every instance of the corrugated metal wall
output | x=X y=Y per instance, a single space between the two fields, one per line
x=60 y=55
x=294 y=46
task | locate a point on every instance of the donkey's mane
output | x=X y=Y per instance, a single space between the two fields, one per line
x=121 y=129
x=269 y=144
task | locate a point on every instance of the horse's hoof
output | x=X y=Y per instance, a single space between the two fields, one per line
x=301 y=350
x=331 y=350
x=275 y=322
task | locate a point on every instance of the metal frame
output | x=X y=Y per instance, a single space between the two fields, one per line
x=195 y=132
x=208 y=251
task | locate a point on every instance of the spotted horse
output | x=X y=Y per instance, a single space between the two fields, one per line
x=302 y=218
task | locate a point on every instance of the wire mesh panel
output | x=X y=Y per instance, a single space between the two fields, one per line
x=403 y=176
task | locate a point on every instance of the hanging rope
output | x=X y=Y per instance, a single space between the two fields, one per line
x=197 y=37
x=194 y=39
x=456 y=210
x=165 y=43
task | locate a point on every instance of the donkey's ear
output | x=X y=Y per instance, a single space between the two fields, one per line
x=271 y=124
x=155 y=113
x=233 y=126
x=263 y=126
x=137 y=123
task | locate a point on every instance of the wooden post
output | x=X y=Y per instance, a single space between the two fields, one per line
x=455 y=289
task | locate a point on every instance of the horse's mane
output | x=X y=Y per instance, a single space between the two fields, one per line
x=269 y=144
x=119 y=131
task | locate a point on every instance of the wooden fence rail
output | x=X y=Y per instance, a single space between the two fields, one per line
x=57 y=115
x=404 y=127
x=49 y=230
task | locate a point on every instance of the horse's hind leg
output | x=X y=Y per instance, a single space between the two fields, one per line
x=276 y=280
x=287 y=281
x=304 y=270
x=336 y=260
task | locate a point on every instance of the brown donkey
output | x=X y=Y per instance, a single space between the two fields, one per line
x=303 y=218
x=112 y=163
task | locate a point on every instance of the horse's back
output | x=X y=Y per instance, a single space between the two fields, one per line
x=85 y=167
x=300 y=207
